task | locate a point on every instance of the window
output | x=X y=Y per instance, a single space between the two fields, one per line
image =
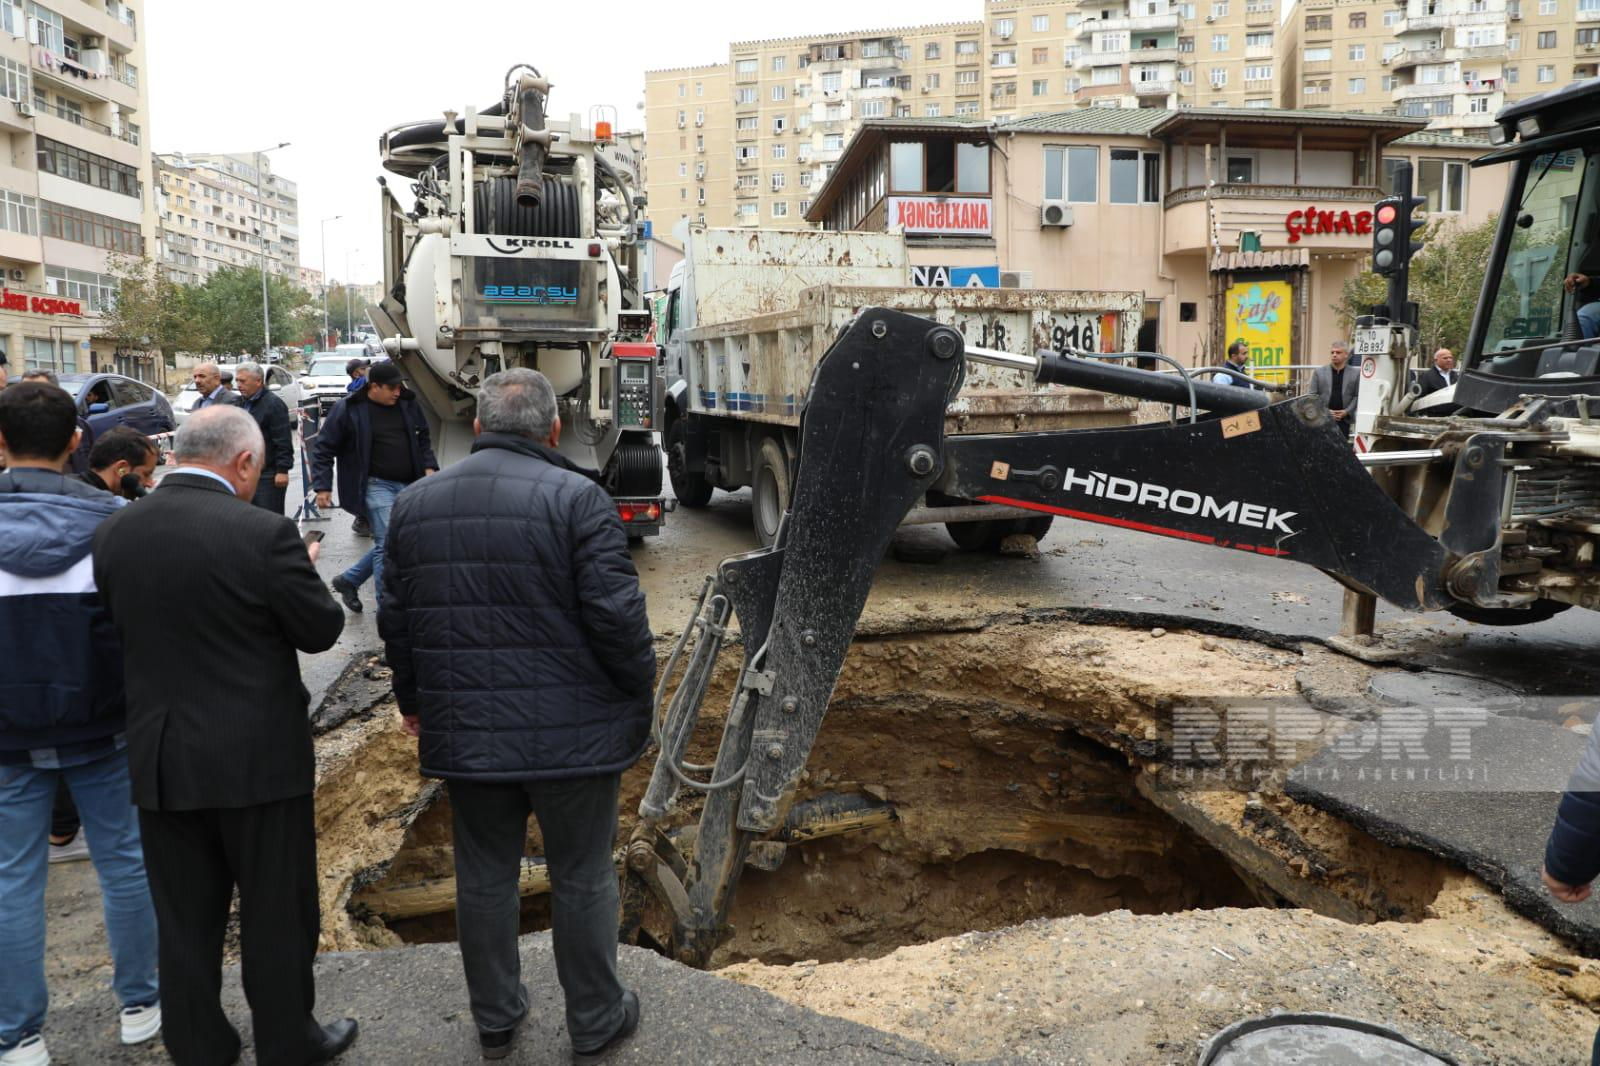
x=1105 y=76
x=747 y=212
x=1547 y=38
x=780 y=151
x=1005 y=27
x=1547 y=7
x=931 y=111
x=778 y=63
x=833 y=113
x=1241 y=169
x=871 y=49
x=1358 y=20
x=1258 y=102
x=65 y=161
x=1219 y=42
x=1041 y=86
x=745 y=151
x=1319 y=55
x=1185 y=75
x=1317 y=23
x=744 y=96
x=1546 y=75
x=777 y=94
x=748 y=122
x=930 y=50
x=1357 y=53
x=1041 y=55
x=87 y=227
x=682 y=90
x=19 y=213
x=1006 y=57
x=832 y=142
x=1186 y=44
x=779 y=123
x=97 y=291
x=1219 y=77
x=1392 y=49
x=1591 y=36
x=831 y=83
x=778 y=182
x=1041 y=23
x=802 y=121
x=40 y=354
x=1443 y=183
x=1072 y=174
x=699 y=88
x=780 y=209
x=874 y=108
x=745 y=66
x=52 y=32
x=805 y=179
x=683 y=170
x=1356 y=86
x=1185 y=10
x=1219 y=9
x=966 y=48
x=16 y=79
x=1512 y=75
x=932 y=80
x=1258 y=72
x=966 y=77
x=1478 y=105
x=1391 y=17
x=1258 y=40
x=700 y=117
x=1125 y=186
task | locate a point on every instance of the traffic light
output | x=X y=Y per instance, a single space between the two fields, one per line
x=1394 y=225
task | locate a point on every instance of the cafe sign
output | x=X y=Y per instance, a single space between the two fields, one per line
x=1313 y=220
x=941 y=216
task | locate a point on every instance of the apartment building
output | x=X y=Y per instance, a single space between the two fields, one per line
x=74 y=178
x=217 y=210
x=688 y=169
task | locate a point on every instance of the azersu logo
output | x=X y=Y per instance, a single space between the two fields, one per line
x=530 y=294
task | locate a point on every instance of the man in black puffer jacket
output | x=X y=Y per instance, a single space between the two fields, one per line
x=523 y=661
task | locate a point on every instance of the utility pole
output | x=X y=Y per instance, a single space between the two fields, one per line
x=349 y=325
x=261 y=234
x=330 y=218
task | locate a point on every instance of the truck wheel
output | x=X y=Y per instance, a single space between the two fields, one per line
x=692 y=490
x=986 y=536
x=1537 y=611
x=769 y=490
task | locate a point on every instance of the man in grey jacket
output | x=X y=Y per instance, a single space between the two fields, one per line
x=1336 y=384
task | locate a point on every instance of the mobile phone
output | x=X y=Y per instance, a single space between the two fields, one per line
x=313 y=536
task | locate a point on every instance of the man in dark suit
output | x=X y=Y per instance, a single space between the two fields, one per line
x=1442 y=374
x=219 y=746
x=213 y=391
x=272 y=416
x=1338 y=385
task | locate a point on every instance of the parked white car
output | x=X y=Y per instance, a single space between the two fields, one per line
x=325 y=378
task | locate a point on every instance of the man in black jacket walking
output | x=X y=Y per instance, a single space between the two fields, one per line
x=380 y=440
x=272 y=416
x=523 y=661
x=219 y=745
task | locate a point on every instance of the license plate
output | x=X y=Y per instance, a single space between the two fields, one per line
x=1372 y=342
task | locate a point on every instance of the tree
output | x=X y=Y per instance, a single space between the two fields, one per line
x=151 y=312
x=229 y=308
x=1446 y=278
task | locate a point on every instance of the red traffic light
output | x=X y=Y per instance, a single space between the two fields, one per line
x=1387 y=214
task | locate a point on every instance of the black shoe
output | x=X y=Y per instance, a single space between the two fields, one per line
x=331 y=1041
x=348 y=593
x=497 y=1044
x=630 y=1022
x=360 y=527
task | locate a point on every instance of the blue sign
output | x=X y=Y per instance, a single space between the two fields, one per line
x=956 y=277
x=647 y=230
x=529 y=294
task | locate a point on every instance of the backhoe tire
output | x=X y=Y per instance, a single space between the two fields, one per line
x=692 y=489
x=1537 y=611
x=986 y=536
x=769 y=490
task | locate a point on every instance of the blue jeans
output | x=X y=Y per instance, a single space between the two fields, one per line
x=1589 y=320
x=111 y=827
x=380 y=501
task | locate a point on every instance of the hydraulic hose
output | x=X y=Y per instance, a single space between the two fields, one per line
x=530 y=168
x=1147 y=384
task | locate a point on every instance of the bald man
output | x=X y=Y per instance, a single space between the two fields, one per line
x=1442 y=374
x=208 y=380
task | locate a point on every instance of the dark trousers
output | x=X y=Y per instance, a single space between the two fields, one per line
x=269 y=495
x=194 y=860
x=64 y=815
x=578 y=820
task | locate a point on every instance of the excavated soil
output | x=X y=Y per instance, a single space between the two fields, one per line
x=1046 y=871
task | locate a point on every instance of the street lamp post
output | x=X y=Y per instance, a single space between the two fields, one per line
x=261 y=233
x=330 y=218
x=349 y=326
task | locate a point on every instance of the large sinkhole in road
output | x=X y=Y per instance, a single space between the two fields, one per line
x=1013 y=770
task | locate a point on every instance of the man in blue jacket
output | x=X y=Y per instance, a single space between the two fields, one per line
x=379 y=439
x=523 y=660
x=61 y=717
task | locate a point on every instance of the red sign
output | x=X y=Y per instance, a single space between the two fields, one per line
x=39 y=305
x=945 y=216
x=1313 y=220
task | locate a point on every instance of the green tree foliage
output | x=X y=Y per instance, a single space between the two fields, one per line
x=151 y=311
x=1446 y=278
x=228 y=306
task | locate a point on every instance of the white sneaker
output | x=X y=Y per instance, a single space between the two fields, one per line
x=138 y=1024
x=73 y=850
x=30 y=1052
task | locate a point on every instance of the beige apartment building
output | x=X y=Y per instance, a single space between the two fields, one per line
x=217 y=210
x=74 y=181
x=1234 y=223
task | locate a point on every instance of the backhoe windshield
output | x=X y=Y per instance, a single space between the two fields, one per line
x=1556 y=236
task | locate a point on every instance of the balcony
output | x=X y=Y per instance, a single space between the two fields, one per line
x=1240 y=207
x=1592 y=15
x=1259 y=51
x=1159 y=87
x=1136 y=24
x=1428 y=23
x=1476 y=120
x=1417 y=91
x=1316 y=66
x=1117 y=59
x=1412 y=57
x=1266 y=17
x=1086 y=93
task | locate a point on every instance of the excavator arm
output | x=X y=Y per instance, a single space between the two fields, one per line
x=1277 y=480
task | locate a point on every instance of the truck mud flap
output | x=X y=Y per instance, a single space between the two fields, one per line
x=1280 y=482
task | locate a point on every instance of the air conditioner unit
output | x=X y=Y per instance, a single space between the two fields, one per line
x=1515 y=16
x=1588 y=48
x=25 y=108
x=1016 y=279
x=682 y=124
x=699 y=122
x=701 y=201
x=1055 y=213
x=16 y=275
x=1385 y=60
x=925 y=88
x=1211 y=18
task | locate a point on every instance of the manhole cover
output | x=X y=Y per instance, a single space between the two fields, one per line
x=1319 y=1039
x=1436 y=688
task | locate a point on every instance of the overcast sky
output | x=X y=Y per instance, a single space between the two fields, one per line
x=330 y=76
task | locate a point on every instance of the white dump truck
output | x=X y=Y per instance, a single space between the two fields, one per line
x=749 y=313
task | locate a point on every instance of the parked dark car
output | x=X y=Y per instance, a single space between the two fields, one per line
x=111 y=400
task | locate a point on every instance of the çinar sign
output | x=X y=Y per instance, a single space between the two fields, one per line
x=1312 y=220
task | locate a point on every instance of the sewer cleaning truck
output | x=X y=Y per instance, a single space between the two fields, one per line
x=520 y=249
